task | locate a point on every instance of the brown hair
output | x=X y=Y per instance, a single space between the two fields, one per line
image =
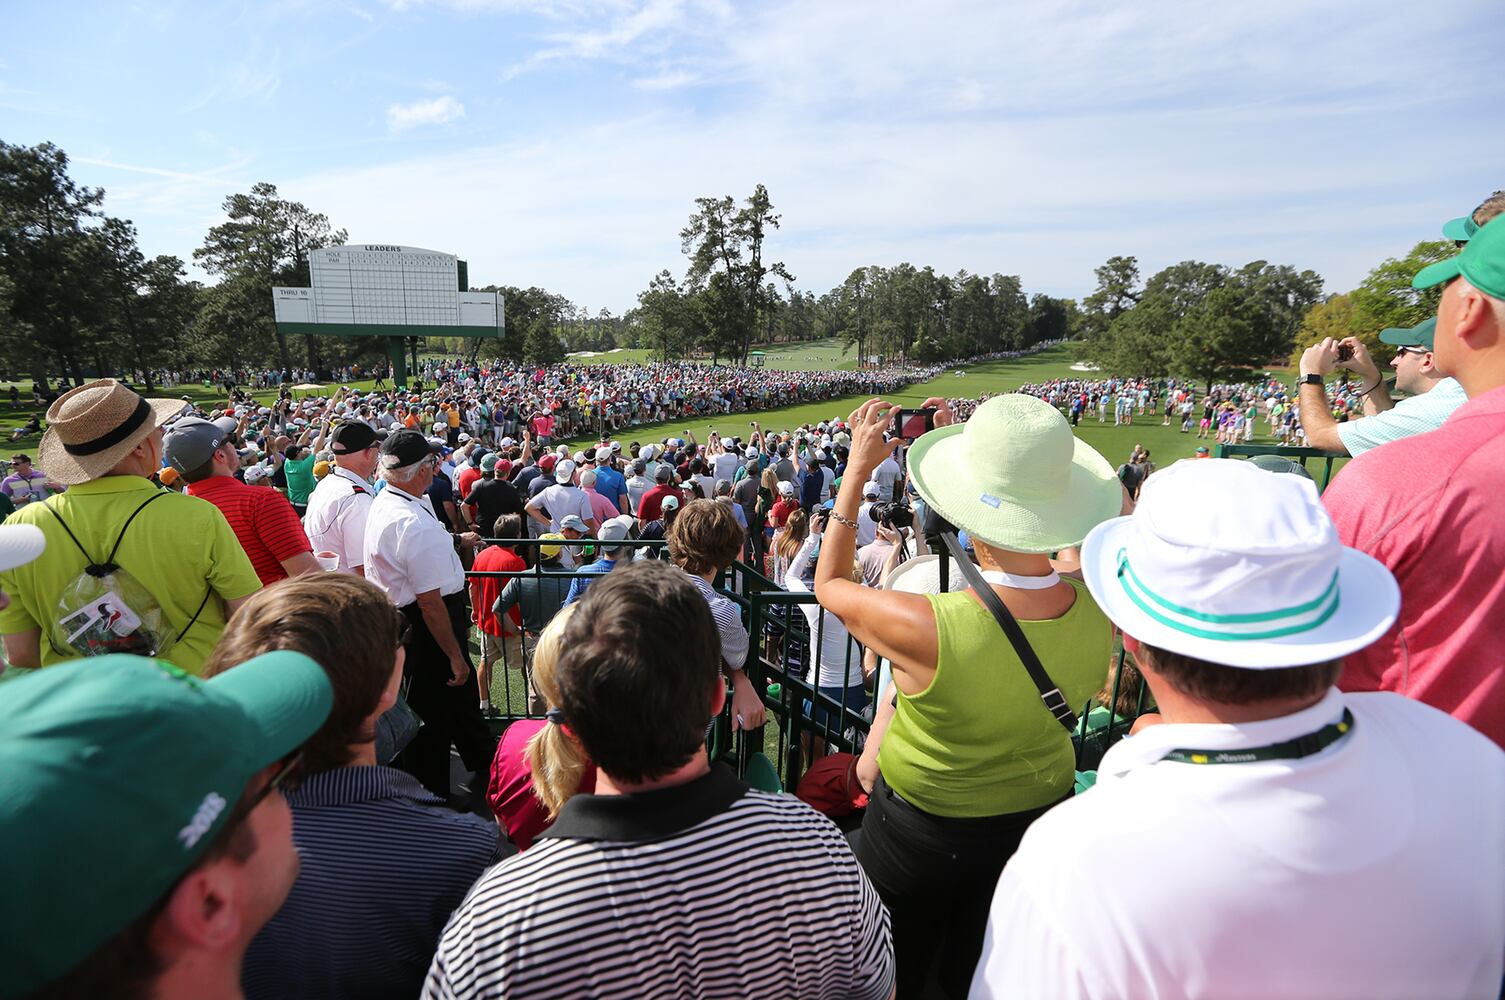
x=1489 y=208
x=796 y=530
x=555 y=760
x=508 y=526
x=705 y=536
x=1235 y=686
x=637 y=669
x=343 y=622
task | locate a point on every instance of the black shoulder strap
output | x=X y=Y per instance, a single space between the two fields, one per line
x=109 y=565
x=1050 y=694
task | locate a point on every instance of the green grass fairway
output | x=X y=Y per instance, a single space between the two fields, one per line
x=815 y=355
x=1166 y=444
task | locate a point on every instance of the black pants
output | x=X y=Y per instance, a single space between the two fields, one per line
x=451 y=715
x=936 y=875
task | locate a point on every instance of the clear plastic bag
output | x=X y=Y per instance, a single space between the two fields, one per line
x=111 y=612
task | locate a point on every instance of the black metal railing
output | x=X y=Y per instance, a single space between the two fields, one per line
x=788 y=647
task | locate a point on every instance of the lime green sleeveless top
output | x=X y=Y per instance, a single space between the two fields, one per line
x=978 y=741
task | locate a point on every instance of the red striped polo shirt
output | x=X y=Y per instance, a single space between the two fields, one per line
x=263 y=520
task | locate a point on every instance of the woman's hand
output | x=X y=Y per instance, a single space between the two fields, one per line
x=868 y=448
x=943 y=415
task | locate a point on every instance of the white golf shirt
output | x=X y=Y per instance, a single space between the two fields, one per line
x=336 y=517
x=886 y=475
x=407 y=550
x=1371 y=869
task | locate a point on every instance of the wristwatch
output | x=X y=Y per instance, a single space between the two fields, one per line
x=1311 y=379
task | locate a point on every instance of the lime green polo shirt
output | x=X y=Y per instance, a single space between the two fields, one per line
x=178 y=548
x=978 y=741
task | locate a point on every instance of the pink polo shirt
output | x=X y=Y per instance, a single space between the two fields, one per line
x=1432 y=508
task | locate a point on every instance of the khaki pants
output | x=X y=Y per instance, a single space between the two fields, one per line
x=509 y=650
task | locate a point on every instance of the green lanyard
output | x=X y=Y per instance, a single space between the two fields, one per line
x=1301 y=746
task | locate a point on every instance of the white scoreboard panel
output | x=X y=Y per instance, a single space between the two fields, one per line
x=388 y=285
x=375 y=284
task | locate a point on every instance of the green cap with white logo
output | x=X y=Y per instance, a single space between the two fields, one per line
x=1420 y=335
x=1481 y=261
x=116 y=775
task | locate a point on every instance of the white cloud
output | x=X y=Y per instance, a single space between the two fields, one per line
x=401 y=117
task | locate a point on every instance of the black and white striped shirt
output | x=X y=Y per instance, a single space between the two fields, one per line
x=383 y=865
x=728 y=618
x=705 y=889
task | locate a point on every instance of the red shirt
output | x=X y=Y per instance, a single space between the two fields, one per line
x=510 y=789
x=465 y=480
x=484 y=590
x=263 y=520
x=1428 y=507
x=651 y=506
x=778 y=515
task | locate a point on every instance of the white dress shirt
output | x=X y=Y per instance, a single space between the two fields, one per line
x=1371 y=869
x=407 y=550
x=336 y=517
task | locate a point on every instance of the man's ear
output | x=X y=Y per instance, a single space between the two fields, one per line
x=203 y=913
x=718 y=696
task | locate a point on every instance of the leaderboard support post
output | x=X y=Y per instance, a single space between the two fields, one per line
x=397 y=349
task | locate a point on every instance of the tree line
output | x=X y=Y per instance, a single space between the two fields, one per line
x=728 y=300
x=1205 y=321
x=78 y=298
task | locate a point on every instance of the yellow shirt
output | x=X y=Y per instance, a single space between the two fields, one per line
x=179 y=548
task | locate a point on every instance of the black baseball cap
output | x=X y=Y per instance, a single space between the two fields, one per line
x=352 y=436
x=408 y=447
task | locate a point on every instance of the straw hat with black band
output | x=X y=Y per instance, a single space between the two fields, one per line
x=90 y=429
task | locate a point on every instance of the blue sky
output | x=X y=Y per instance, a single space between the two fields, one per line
x=562 y=144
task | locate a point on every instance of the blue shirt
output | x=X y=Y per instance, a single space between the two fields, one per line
x=579 y=584
x=611 y=484
x=384 y=865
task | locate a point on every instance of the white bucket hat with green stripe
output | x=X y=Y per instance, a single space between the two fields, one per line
x=1230 y=564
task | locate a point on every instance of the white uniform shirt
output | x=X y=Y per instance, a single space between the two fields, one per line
x=407 y=550
x=336 y=517
x=1371 y=869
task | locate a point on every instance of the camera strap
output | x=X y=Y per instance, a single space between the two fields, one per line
x=1050 y=694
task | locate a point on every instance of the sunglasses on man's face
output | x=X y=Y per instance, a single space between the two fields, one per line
x=1411 y=350
x=281 y=781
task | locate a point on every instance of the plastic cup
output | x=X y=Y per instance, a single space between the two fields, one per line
x=328 y=560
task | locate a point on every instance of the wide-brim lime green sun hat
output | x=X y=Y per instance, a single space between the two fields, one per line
x=1015 y=476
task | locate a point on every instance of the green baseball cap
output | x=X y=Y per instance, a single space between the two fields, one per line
x=1420 y=335
x=1481 y=261
x=119 y=772
x=1461 y=229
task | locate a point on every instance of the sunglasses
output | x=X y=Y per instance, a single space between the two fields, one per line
x=1411 y=350
x=281 y=780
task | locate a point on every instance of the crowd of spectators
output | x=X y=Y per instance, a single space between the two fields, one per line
x=251 y=755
